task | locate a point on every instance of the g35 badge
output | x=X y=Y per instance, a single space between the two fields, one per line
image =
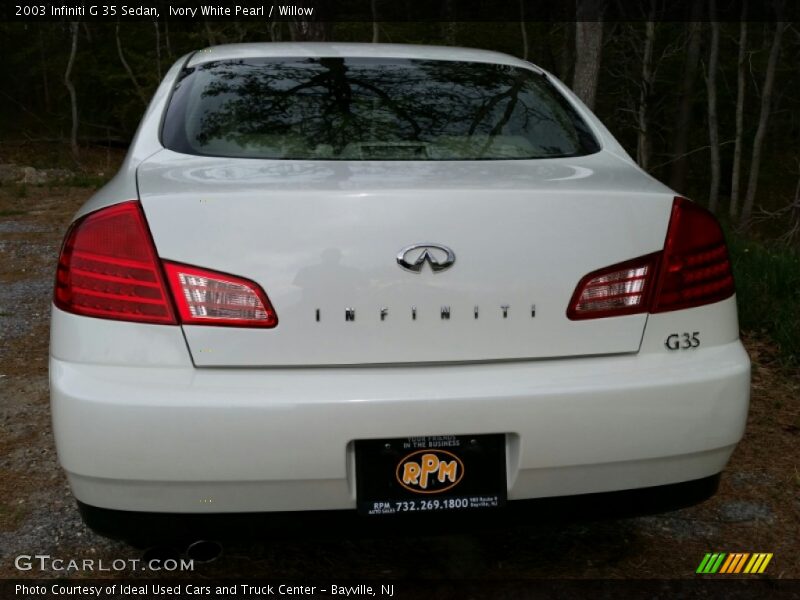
x=683 y=341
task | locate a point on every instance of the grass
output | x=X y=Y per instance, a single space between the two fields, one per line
x=767 y=286
x=86 y=180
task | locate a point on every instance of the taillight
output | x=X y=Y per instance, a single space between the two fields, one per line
x=695 y=269
x=692 y=270
x=621 y=289
x=206 y=297
x=108 y=268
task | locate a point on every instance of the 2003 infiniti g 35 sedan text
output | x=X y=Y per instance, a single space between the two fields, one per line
x=386 y=278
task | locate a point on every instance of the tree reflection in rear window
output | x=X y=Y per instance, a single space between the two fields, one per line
x=371 y=109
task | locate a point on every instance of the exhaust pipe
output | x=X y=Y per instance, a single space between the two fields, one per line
x=204 y=551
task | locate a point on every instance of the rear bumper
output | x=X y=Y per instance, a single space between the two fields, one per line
x=153 y=528
x=185 y=440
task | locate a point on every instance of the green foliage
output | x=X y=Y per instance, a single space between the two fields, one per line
x=86 y=180
x=767 y=285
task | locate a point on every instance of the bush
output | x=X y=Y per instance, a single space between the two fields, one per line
x=768 y=291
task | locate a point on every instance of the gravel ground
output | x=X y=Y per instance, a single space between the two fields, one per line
x=756 y=510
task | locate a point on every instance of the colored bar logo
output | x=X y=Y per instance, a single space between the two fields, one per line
x=734 y=563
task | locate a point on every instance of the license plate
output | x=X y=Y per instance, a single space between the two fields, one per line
x=430 y=474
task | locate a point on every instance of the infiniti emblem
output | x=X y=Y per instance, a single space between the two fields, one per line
x=413 y=258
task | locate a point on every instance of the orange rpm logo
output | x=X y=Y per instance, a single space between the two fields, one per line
x=429 y=471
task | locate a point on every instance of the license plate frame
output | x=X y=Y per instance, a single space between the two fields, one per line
x=431 y=474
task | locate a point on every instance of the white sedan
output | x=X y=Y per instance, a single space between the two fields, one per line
x=386 y=279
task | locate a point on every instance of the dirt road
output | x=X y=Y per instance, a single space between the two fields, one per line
x=756 y=510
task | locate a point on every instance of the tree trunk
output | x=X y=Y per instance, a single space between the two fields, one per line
x=73 y=99
x=565 y=56
x=241 y=31
x=167 y=41
x=376 y=32
x=45 y=83
x=713 y=128
x=793 y=232
x=588 y=50
x=758 y=140
x=740 y=92
x=525 y=45
x=645 y=90
x=128 y=69
x=680 y=144
x=449 y=29
x=309 y=31
x=158 y=49
x=212 y=39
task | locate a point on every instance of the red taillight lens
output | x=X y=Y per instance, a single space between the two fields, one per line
x=210 y=298
x=692 y=270
x=621 y=289
x=695 y=268
x=108 y=268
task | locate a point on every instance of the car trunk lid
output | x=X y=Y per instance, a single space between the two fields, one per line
x=322 y=239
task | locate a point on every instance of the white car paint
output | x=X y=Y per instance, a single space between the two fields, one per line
x=326 y=235
x=206 y=419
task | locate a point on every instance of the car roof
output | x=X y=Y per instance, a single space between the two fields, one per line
x=329 y=49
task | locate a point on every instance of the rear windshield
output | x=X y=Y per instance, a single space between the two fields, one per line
x=371 y=109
